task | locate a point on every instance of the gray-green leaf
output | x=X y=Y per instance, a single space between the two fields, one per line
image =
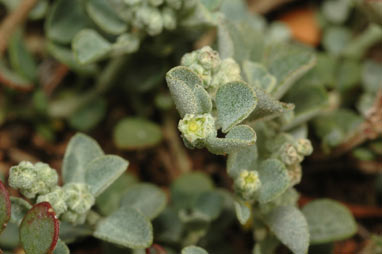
x=89 y=46
x=274 y=180
x=243 y=212
x=234 y=102
x=146 y=198
x=193 y=250
x=101 y=172
x=81 y=150
x=328 y=221
x=126 y=227
x=136 y=133
x=290 y=227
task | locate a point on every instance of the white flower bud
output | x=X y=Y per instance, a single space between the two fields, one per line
x=247 y=184
x=289 y=155
x=73 y=217
x=229 y=71
x=196 y=128
x=78 y=197
x=33 y=179
x=304 y=147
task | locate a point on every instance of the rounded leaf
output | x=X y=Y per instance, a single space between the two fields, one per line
x=234 y=102
x=328 y=221
x=193 y=250
x=136 y=133
x=39 y=229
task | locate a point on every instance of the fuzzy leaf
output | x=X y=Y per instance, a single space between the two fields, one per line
x=239 y=137
x=245 y=158
x=243 y=212
x=212 y=4
x=136 y=133
x=81 y=150
x=193 y=250
x=105 y=17
x=61 y=248
x=328 y=221
x=274 y=180
x=181 y=82
x=39 y=230
x=65 y=20
x=89 y=46
x=19 y=208
x=257 y=75
x=126 y=227
x=234 y=102
x=5 y=207
x=103 y=171
x=146 y=198
x=204 y=99
x=290 y=227
x=287 y=63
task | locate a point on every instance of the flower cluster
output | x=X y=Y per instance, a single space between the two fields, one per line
x=153 y=16
x=71 y=202
x=33 y=179
x=196 y=128
x=247 y=184
x=211 y=69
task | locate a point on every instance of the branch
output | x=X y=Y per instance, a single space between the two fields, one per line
x=14 y=19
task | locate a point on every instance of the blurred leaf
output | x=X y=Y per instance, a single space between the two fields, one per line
x=39 y=229
x=290 y=227
x=61 y=248
x=126 y=227
x=89 y=46
x=212 y=4
x=186 y=189
x=80 y=151
x=371 y=76
x=209 y=204
x=193 y=250
x=372 y=9
x=12 y=79
x=66 y=18
x=168 y=227
x=101 y=172
x=9 y=239
x=109 y=200
x=20 y=58
x=88 y=116
x=19 y=208
x=136 y=133
x=257 y=75
x=243 y=212
x=37 y=12
x=146 y=198
x=328 y=221
x=234 y=102
x=335 y=39
x=105 y=17
x=336 y=11
x=66 y=56
x=287 y=63
x=348 y=74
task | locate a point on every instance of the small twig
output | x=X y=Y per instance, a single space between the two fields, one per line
x=176 y=147
x=14 y=19
x=167 y=163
